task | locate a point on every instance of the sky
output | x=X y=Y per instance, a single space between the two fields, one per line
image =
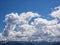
x=13 y=8
x=40 y=6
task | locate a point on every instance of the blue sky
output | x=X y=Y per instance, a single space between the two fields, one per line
x=42 y=7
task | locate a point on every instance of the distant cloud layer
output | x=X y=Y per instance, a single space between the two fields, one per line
x=17 y=27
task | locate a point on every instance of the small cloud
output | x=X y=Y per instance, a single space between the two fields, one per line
x=56 y=13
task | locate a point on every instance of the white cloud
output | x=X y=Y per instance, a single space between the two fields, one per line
x=17 y=25
x=56 y=13
x=17 y=28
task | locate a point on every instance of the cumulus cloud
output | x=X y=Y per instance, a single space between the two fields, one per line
x=17 y=28
x=46 y=29
x=56 y=13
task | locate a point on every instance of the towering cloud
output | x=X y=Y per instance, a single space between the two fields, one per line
x=17 y=27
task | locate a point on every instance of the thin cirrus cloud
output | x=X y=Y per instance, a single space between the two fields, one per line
x=17 y=27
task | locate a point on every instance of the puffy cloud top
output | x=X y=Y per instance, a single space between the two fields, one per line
x=56 y=13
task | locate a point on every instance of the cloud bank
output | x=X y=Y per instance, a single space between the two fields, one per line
x=17 y=27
